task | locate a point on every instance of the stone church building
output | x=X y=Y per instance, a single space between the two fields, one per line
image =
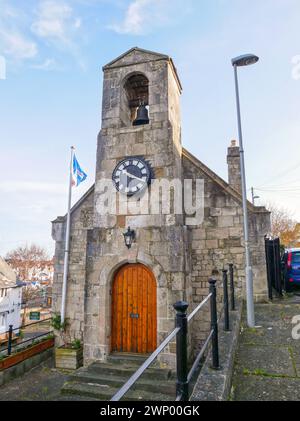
x=119 y=298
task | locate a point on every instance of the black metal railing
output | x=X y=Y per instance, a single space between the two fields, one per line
x=273 y=261
x=183 y=376
x=25 y=334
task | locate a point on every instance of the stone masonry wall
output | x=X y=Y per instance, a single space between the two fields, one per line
x=81 y=220
x=234 y=167
x=219 y=241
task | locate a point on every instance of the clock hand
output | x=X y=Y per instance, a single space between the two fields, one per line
x=132 y=176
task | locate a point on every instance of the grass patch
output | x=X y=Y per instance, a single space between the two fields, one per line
x=253 y=331
x=291 y=352
x=231 y=395
x=259 y=372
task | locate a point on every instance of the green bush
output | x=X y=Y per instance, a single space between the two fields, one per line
x=57 y=324
x=21 y=334
x=76 y=344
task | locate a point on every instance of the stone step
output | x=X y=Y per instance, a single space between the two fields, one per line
x=85 y=376
x=105 y=393
x=135 y=360
x=102 y=380
x=126 y=370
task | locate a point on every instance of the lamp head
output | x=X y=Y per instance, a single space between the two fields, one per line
x=129 y=237
x=244 y=60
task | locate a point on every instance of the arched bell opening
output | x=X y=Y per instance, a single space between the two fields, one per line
x=137 y=97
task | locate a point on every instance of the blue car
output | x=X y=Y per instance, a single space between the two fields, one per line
x=291 y=269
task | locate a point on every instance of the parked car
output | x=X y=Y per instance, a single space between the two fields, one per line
x=291 y=268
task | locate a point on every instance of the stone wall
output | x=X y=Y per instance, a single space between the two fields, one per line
x=159 y=249
x=219 y=241
x=234 y=166
x=81 y=220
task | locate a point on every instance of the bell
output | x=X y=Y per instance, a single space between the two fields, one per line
x=142 y=116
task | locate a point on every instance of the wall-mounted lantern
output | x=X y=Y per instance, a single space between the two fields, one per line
x=129 y=236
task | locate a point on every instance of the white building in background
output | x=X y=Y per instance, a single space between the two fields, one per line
x=41 y=272
x=10 y=299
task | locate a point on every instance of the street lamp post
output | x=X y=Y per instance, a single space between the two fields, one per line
x=240 y=61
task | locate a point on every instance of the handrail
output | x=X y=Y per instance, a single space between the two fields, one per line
x=181 y=332
x=200 y=355
x=26 y=340
x=221 y=314
x=29 y=324
x=43 y=327
x=124 y=389
x=198 y=308
x=178 y=398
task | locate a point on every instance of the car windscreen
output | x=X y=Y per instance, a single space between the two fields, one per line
x=296 y=257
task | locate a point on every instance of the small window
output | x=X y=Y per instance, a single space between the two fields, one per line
x=3 y=320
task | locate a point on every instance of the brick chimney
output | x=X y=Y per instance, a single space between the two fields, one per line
x=234 y=166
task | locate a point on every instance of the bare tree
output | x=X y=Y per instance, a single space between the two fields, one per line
x=26 y=259
x=284 y=226
x=28 y=294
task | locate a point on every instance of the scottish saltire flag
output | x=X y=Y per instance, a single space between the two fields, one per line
x=78 y=175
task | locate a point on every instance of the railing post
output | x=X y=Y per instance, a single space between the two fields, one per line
x=231 y=277
x=214 y=324
x=10 y=333
x=182 y=385
x=225 y=300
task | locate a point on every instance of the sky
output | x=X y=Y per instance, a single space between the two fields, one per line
x=51 y=58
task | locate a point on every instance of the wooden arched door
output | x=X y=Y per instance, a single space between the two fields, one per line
x=134 y=310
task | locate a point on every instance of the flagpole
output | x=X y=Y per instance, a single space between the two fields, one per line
x=67 y=244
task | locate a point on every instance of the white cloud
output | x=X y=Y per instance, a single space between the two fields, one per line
x=15 y=45
x=47 y=65
x=13 y=41
x=143 y=15
x=55 y=21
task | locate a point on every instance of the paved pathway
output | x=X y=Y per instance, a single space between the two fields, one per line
x=267 y=366
x=42 y=383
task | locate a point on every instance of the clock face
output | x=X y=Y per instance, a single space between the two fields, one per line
x=131 y=176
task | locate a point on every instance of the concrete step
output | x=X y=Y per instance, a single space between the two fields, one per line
x=126 y=370
x=102 y=380
x=134 y=360
x=147 y=385
x=105 y=393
